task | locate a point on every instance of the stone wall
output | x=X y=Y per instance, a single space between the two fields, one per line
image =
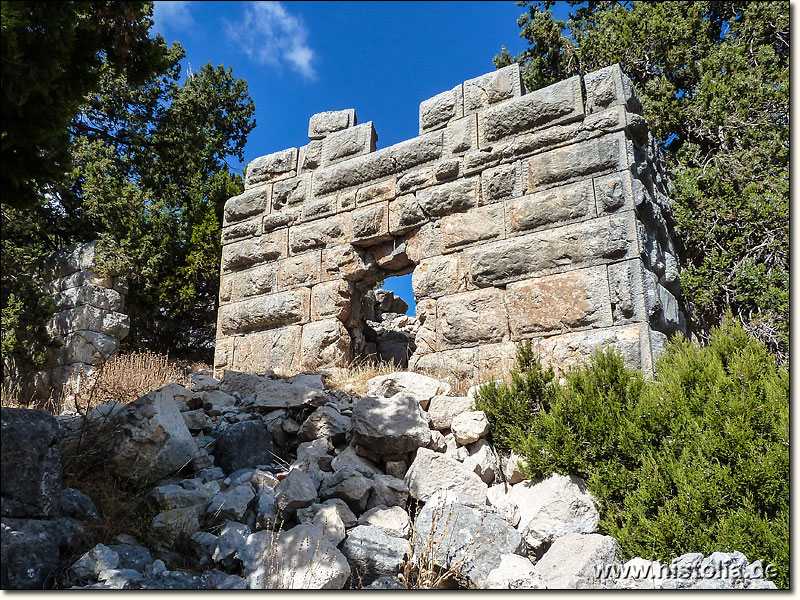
x=540 y=216
x=88 y=319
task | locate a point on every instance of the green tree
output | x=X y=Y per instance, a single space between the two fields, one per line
x=713 y=78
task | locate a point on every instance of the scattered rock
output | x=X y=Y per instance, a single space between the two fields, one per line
x=392 y=425
x=325 y=422
x=387 y=491
x=514 y=572
x=432 y=472
x=78 y=505
x=372 y=553
x=442 y=409
x=297 y=490
x=90 y=565
x=393 y=520
x=232 y=503
x=482 y=461
x=578 y=561
x=469 y=427
x=421 y=387
x=349 y=485
x=243 y=445
x=30 y=552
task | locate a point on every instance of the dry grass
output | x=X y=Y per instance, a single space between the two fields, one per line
x=354 y=378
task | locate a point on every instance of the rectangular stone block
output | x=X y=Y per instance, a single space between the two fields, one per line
x=318 y=209
x=492 y=88
x=572 y=202
x=317 y=234
x=584 y=244
x=416 y=180
x=405 y=214
x=461 y=135
x=572 y=349
x=610 y=87
x=436 y=112
x=243 y=229
x=447 y=198
x=252 y=282
x=501 y=183
x=301 y=270
x=275 y=350
x=447 y=170
x=92 y=295
x=277 y=220
x=475 y=225
x=346 y=262
x=577 y=299
x=609 y=153
x=425 y=339
x=615 y=192
x=378 y=165
x=266 y=312
x=322 y=124
x=377 y=192
x=79 y=278
x=290 y=193
x=331 y=300
x=88 y=347
x=252 y=202
x=272 y=167
x=471 y=318
x=325 y=343
x=424 y=242
x=438 y=276
x=371 y=224
x=252 y=251
x=626 y=292
x=348 y=143
x=554 y=105
x=310 y=157
x=223 y=353
x=480 y=159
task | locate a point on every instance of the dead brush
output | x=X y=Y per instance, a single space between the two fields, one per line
x=354 y=377
x=424 y=570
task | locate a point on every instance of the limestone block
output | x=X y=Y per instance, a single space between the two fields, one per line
x=562 y=204
x=252 y=282
x=625 y=291
x=317 y=234
x=116 y=324
x=436 y=112
x=249 y=252
x=304 y=269
x=609 y=153
x=442 y=409
x=432 y=472
x=615 y=192
x=377 y=192
x=251 y=202
x=371 y=224
x=495 y=360
x=268 y=350
x=349 y=143
x=448 y=198
x=425 y=339
x=272 y=167
x=244 y=229
x=492 y=88
x=325 y=343
x=578 y=561
x=472 y=318
x=571 y=349
x=483 y=158
x=223 y=352
x=93 y=295
x=405 y=214
x=501 y=183
x=571 y=246
x=559 y=303
x=88 y=347
x=477 y=224
x=424 y=242
x=69 y=260
x=438 y=276
x=317 y=209
x=458 y=361
x=331 y=299
x=82 y=277
x=74 y=319
x=345 y=262
x=447 y=170
x=266 y=312
x=610 y=87
x=290 y=193
x=310 y=157
x=277 y=220
x=378 y=165
x=416 y=180
x=461 y=135
x=325 y=123
x=556 y=104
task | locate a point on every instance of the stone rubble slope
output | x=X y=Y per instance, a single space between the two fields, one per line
x=267 y=483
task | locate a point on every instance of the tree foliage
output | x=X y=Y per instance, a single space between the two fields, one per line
x=713 y=78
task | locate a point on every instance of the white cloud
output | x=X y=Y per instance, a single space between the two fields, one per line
x=171 y=14
x=270 y=35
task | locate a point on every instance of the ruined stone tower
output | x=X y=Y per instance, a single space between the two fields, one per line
x=540 y=216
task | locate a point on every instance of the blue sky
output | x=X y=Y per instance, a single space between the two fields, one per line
x=381 y=58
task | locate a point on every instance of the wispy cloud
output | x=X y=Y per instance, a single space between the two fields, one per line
x=172 y=15
x=270 y=35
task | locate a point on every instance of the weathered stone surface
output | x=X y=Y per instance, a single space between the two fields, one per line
x=422 y=387
x=274 y=310
x=297 y=490
x=349 y=485
x=439 y=276
x=348 y=143
x=610 y=87
x=325 y=422
x=390 y=425
x=432 y=472
x=436 y=112
x=371 y=224
x=472 y=318
x=393 y=521
x=322 y=124
x=348 y=458
x=92 y=295
x=253 y=251
x=337 y=505
x=473 y=537
x=77 y=505
x=448 y=198
x=300 y=558
x=30 y=552
x=469 y=426
x=574 y=348
x=88 y=347
x=559 y=303
x=90 y=565
x=271 y=167
x=174 y=496
x=232 y=503
x=310 y=156
x=31 y=464
x=475 y=225
x=555 y=104
x=273 y=349
x=483 y=461
x=442 y=409
x=565 y=203
x=577 y=561
x=325 y=343
x=243 y=445
x=514 y=573
x=501 y=183
x=177 y=522
x=252 y=202
x=316 y=235
x=387 y=491
x=372 y=553
x=377 y=192
x=492 y=88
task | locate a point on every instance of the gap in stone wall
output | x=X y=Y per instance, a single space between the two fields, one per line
x=388 y=323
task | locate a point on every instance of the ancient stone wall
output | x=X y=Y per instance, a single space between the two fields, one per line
x=540 y=216
x=88 y=320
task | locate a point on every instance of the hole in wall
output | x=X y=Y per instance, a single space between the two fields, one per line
x=388 y=321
